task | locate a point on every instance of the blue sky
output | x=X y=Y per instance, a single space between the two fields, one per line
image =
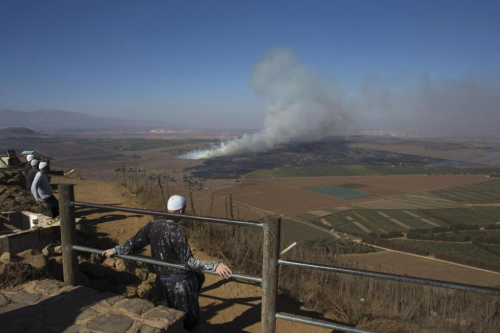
x=191 y=60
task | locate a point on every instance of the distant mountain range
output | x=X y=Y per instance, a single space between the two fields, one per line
x=57 y=121
x=19 y=132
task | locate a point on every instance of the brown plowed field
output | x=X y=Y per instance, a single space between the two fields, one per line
x=398 y=263
x=290 y=195
x=288 y=201
x=405 y=183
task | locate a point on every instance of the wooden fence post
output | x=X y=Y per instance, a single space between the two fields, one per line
x=68 y=234
x=270 y=272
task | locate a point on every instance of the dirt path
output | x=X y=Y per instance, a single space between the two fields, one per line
x=227 y=306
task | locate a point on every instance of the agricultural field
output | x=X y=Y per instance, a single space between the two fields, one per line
x=407 y=264
x=293 y=231
x=364 y=221
x=479 y=215
x=478 y=192
x=289 y=196
x=339 y=192
x=336 y=171
x=471 y=254
x=377 y=221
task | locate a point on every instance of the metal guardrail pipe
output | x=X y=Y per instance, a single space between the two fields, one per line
x=186 y=217
x=394 y=277
x=320 y=323
x=149 y=260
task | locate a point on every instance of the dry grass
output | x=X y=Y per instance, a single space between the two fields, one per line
x=13 y=273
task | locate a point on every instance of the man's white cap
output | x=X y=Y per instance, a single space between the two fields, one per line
x=176 y=202
x=42 y=165
x=34 y=162
x=30 y=157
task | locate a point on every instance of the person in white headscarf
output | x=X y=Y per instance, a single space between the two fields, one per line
x=31 y=173
x=168 y=242
x=42 y=191
x=27 y=167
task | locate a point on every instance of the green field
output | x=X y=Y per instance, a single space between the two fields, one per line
x=293 y=231
x=480 y=256
x=385 y=221
x=259 y=174
x=331 y=171
x=476 y=192
x=375 y=222
x=481 y=215
x=339 y=192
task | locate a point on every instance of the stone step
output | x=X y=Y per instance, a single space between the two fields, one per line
x=51 y=306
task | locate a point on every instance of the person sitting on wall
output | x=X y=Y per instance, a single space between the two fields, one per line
x=30 y=176
x=169 y=243
x=42 y=191
x=27 y=167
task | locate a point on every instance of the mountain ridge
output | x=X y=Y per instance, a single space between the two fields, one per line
x=62 y=121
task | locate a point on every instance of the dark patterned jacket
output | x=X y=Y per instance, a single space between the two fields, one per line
x=168 y=243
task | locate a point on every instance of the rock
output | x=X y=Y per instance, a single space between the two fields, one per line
x=141 y=273
x=36 y=261
x=62 y=313
x=121 y=265
x=37 y=329
x=135 y=306
x=150 y=291
x=106 y=298
x=96 y=257
x=127 y=291
x=110 y=262
x=18 y=328
x=152 y=277
x=75 y=329
x=110 y=322
x=3 y=300
x=25 y=298
x=149 y=329
x=48 y=250
x=5 y=256
x=145 y=289
x=28 y=253
x=165 y=318
x=86 y=314
x=95 y=269
x=48 y=287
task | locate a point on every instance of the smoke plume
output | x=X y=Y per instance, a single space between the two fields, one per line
x=300 y=107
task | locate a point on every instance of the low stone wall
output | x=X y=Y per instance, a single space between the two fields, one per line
x=50 y=306
x=29 y=239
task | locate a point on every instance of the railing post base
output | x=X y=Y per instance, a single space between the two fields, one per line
x=68 y=234
x=270 y=272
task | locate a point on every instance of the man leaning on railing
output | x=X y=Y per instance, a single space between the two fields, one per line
x=169 y=243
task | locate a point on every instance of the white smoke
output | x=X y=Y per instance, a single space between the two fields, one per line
x=300 y=107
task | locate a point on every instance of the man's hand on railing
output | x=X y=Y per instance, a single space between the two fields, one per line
x=109 y=253
x=223 y=271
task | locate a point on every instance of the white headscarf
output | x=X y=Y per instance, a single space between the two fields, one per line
x=176 y=202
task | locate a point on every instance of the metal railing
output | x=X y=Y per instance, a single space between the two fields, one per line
x=270 y=263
